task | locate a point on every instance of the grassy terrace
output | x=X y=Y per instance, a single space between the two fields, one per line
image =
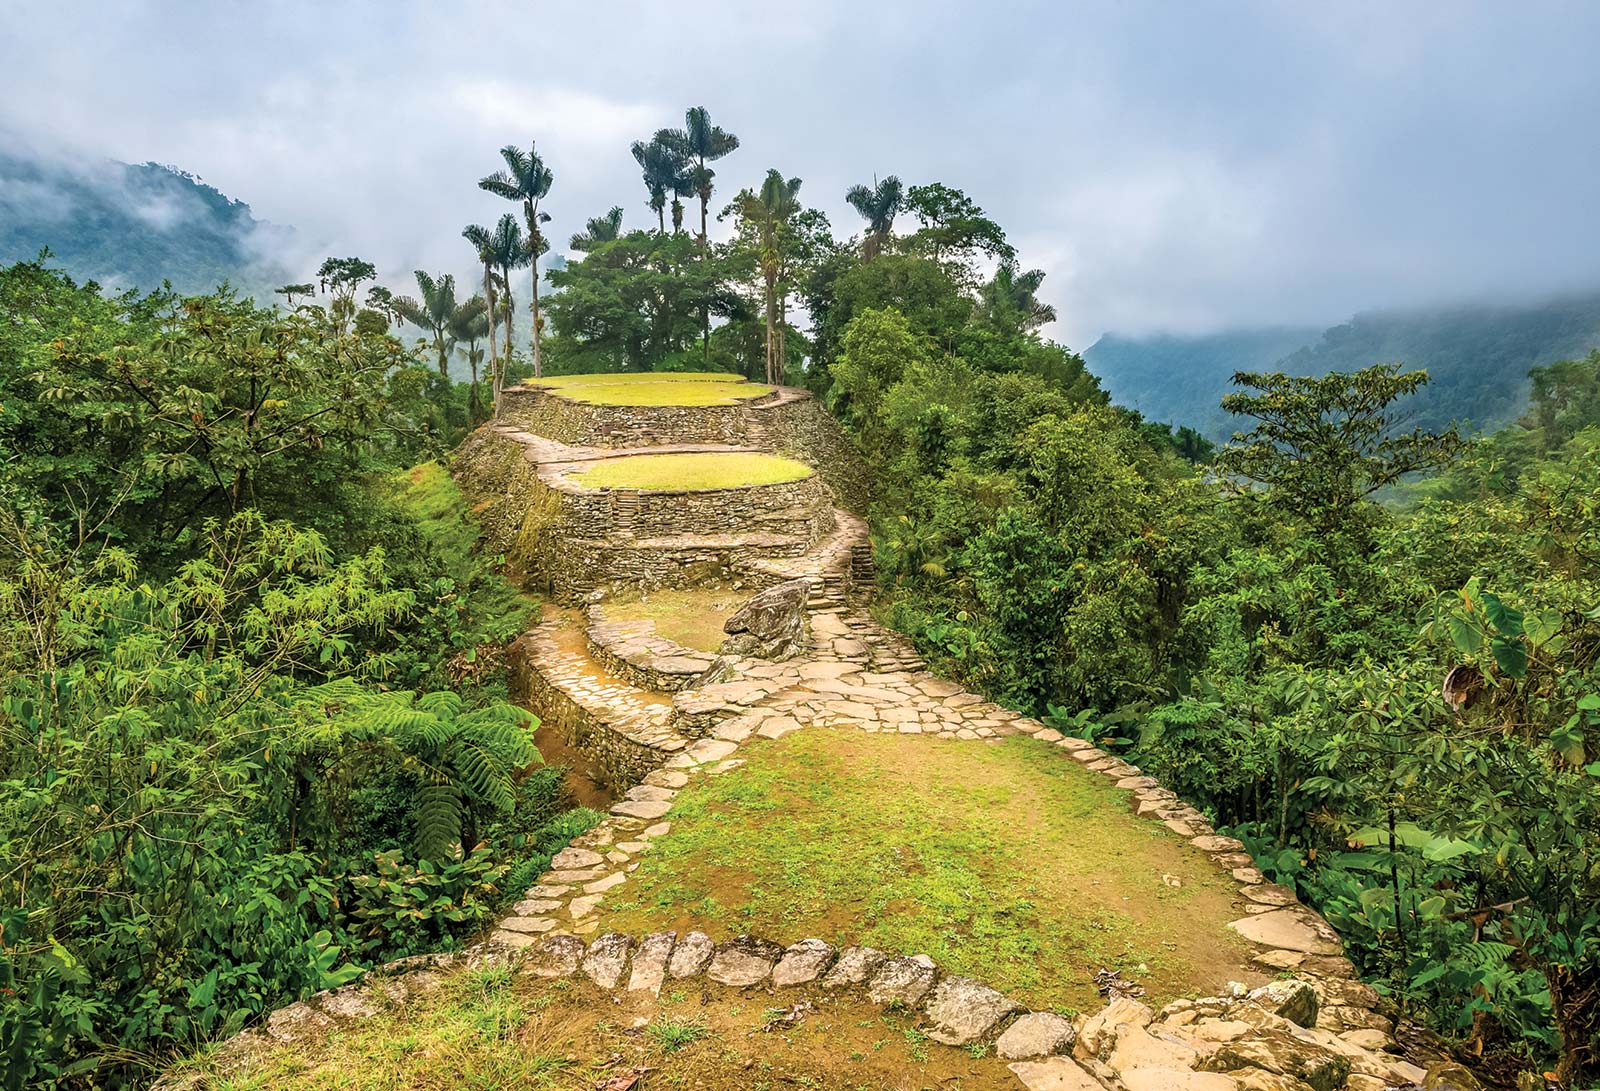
x=1003 y=861
x=691 y=471
x=491 y=1029
x=692 y=618
x=697 y=388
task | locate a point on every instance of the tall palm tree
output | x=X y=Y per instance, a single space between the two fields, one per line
x=597 y=230
x=482 y=240
x=432 y=313
x=769 y=213
x=878 y=206
x=510 y=252
x=700 y=142
x=664 y=170
x=468 y=324
x=525 y=179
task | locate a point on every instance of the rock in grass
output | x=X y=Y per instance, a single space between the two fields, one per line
x=1037 y=1035
x=650 y=964
x=802 y=963
x=855 y=966
x=691 y=956
x=902 y=981
x=607 y=959
x=963 y=1011
x=743 y=961
x=554 y=956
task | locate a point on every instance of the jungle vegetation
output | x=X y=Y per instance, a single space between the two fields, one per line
x=252 y=737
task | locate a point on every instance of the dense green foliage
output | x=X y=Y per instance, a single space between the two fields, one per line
x=1477 y=357
x=1399 y=713
x=249 y=724
x=251 y=728
x=132 y=226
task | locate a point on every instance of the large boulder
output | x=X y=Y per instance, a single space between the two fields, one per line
x=772 y=625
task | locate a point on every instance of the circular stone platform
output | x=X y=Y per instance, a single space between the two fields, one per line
x=684 y=388
x=691 y=472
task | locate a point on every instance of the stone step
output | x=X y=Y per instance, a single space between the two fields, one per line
x=625 y=727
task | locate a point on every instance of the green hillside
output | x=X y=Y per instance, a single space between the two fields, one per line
x=1182 y=379
x=1478 y=358
x=133 y=226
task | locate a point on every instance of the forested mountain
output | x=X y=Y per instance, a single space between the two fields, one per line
x=1477 y=356
x=134 y=226
x=1182 y=379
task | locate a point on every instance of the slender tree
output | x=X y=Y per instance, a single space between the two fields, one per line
x=878 y=206
x=664 y=171
x=432 y=312
x=482 y=240
x=510 y=252
x=699 y=142
x=597 y=230
x=469 y=323
x=768 y=214
x=525 y=179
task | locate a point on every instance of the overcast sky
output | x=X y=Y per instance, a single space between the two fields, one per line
x=1173 y=166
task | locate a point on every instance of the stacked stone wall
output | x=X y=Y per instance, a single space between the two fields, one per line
x=803 y=429
x=622 y=761
x=801 y=507
x=588 y=424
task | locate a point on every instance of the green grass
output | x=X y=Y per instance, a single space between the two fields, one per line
x=495 y=608
x=691 y=617
x=697 y=388
x=691 y=471
x=498 y=1028
x=1006 y=862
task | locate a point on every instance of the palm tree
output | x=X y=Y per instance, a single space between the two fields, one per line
x=699 y=142
x=482 y=240
x=664 y=169
x=510 y=252
x=528 y=180
x=598 y=230
x=1011 y=298
x=467 y=325
x=769 y=213
x=878 y=206
x=432 y=313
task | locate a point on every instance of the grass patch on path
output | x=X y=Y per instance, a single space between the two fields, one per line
x=691 y=471
x=1004 y=861
x=495 y=1029
x=692 y=618
x=693 y=388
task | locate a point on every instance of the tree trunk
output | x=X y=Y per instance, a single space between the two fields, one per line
x=705 y=199
x=511 y=326
x=772 y=306
x=783 y=348
x=494 y=351
x=538 y=365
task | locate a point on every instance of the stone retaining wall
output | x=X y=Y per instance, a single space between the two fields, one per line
x=586 y=424
x=623 y=754
x=803 y=429
x=634 y=652
x=788 y=507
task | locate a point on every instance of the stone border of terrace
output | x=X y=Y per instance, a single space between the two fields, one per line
x=598 y=424
x=636 y=653
x=1305 y=1032
x=803 y=506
